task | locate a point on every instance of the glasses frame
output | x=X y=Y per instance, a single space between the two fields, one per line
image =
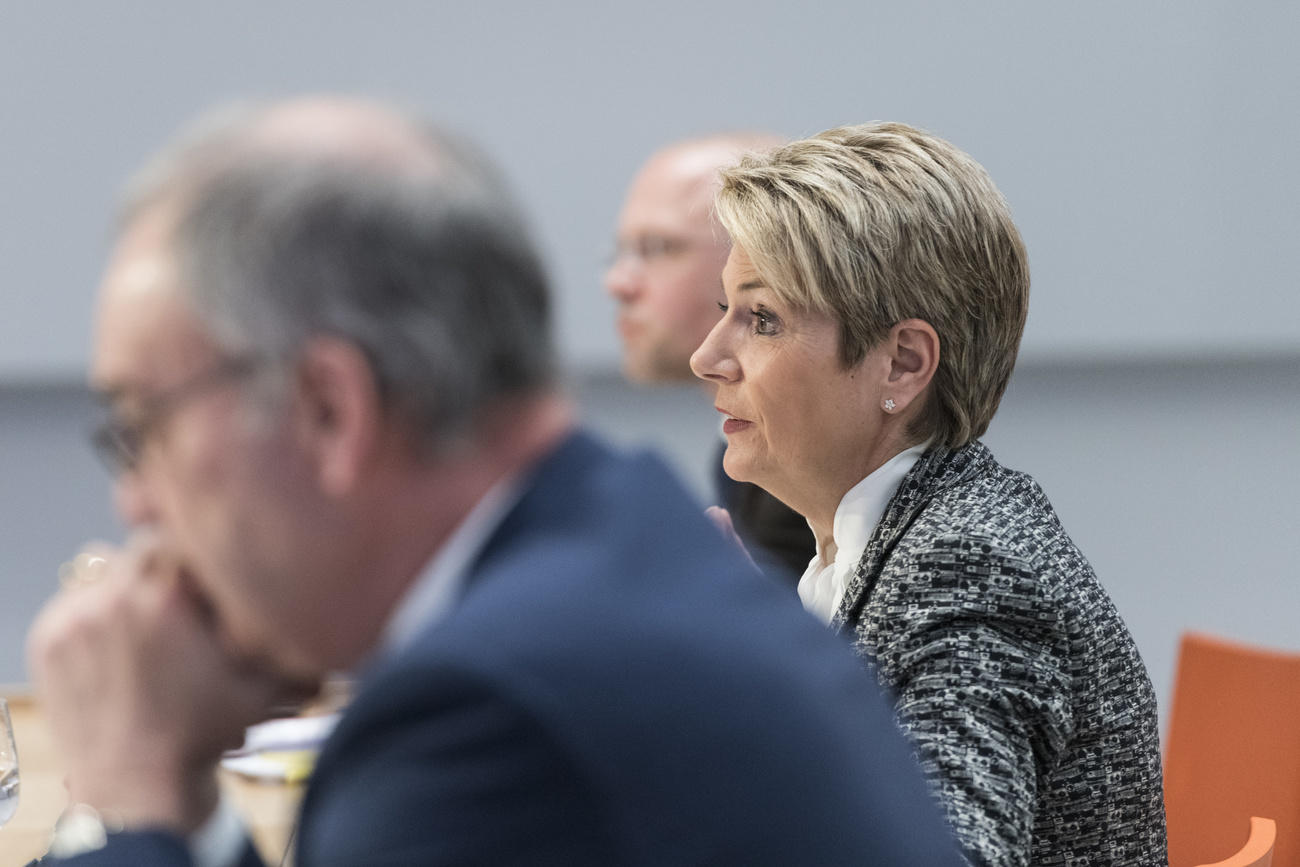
x=120 y=442
x=647 y=250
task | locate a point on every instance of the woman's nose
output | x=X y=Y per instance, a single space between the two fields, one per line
x=714 y=361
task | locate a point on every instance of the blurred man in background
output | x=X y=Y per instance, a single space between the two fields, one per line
x=666 y=276
x=323 y=341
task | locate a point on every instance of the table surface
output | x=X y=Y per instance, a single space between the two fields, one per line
x=268 y=808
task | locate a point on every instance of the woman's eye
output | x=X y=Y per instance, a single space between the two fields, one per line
x=722 y=305
x=764 y=322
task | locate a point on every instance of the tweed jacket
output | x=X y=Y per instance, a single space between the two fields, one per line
x=1012 y=672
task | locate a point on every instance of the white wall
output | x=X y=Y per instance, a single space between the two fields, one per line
x=1147 y=148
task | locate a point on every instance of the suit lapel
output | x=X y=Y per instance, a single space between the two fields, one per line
x=939 y=468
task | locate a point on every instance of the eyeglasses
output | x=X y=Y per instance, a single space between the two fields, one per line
x=649 y=249
x=119 y=442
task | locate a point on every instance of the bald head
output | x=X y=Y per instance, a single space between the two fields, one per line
x=345 y=130
x=669 y=255
x=322 y=130
x=696 y=162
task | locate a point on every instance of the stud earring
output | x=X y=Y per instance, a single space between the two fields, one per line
x=889 y=404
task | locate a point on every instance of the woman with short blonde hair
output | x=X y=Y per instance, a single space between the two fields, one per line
x=876 y=294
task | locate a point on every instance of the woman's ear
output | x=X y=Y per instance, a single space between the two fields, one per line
x=912 y=347
x=340 y=413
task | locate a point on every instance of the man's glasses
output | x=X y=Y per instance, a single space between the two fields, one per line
x=119 y=442
x=649 y=249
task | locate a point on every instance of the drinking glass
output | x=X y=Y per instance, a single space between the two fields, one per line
x=8 y=766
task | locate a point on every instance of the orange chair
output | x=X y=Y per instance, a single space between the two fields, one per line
x=1233 y=750
x=1258 y=851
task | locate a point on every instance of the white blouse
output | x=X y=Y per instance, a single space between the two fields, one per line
x=823 y=584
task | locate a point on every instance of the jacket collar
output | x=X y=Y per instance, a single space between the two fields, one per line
x=938 y=469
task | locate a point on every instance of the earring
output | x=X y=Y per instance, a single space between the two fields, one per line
x=889 y=404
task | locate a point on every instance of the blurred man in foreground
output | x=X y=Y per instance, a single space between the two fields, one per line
x=323 y=342
x=666 y=276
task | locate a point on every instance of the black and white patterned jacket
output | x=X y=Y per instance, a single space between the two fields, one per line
x=1030 y=708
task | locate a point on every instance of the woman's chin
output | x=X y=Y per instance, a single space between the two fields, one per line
x=740 y=467
x=733 y=465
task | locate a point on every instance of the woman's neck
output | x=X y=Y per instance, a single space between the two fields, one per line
x=826 y=548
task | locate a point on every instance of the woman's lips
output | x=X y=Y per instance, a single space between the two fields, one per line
x=734 y=425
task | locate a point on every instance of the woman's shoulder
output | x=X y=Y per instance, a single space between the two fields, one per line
x=967 y=493
x=979 y=532
x=986 y=541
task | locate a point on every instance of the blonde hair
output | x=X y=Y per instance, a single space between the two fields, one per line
x=881 y=222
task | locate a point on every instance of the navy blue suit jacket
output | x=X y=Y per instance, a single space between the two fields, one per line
x=614 y=687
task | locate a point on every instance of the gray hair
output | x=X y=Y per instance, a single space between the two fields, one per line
x=423 y=263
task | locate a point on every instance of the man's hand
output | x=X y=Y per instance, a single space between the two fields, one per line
x=140 y=695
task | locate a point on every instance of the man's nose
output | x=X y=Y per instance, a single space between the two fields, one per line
x=133 y=500
x=623 y=278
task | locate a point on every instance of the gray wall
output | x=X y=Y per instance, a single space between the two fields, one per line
x=1148 y=151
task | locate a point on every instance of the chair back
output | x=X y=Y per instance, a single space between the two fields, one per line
x=1258 y=851
x=1233 y=750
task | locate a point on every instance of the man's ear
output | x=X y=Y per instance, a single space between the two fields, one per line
x=912 y=347
x=340 y=414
